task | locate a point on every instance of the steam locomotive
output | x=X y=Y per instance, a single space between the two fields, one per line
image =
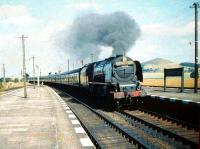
x=116 y=77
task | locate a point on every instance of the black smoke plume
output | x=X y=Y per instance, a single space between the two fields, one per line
x=88 y=33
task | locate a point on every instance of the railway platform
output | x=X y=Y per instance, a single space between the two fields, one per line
x=42 y=120
x=174 y=93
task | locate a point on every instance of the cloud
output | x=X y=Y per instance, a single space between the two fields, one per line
x=9 y=11
x=143 y=52
x=81 y=6
x=168 y=30
x=40 y=43
x=165 y=41
x=105 y=52
x=17 y=15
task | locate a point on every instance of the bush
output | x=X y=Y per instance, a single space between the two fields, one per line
x=192 y=74
x=1 y=86
x=16 y=80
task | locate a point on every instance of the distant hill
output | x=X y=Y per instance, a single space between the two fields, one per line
x=157 y=61
x=158 y=64
x=187 y=64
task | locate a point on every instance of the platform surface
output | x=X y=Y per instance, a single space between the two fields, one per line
x=40 y=121
x=188 y=94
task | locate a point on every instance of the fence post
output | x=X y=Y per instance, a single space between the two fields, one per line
x=164 y=80
x=182 y=80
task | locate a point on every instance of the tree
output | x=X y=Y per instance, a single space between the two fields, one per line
x=16 y=80
x=8 y=79
x=192 y=74
x=27 y=75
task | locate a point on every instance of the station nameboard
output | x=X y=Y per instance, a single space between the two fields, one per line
x=173 y=72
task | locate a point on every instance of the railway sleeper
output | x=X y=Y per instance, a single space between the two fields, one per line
x=167 y=132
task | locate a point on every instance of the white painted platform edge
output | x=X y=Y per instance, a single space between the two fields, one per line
x=162 y=97
x=79 y=130
x=173 y=98
x=72 y=116
x=75 y=122
x=86 y=142
x=55 y=94
x=68 y=111
x=153 y=96
x=66 y=108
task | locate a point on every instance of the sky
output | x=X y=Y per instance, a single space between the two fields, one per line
x=167 y=31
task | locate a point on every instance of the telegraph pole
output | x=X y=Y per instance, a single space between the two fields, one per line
x=196 y=6
x=92 y=57
x=4 y=74
x=24 y=65
x=82 y=62
x=38 y=75
x=68 y=65
x=21 y=74
x=34 y=72
x=68 y=69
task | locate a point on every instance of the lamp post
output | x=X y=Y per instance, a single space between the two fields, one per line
x=33 y=72
x=196 y=6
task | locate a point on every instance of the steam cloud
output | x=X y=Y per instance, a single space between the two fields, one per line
x=88 y=33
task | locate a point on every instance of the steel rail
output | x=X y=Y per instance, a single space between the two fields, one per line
x=165 y=131
x=131 y=136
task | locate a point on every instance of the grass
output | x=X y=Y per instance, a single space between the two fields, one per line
x=10 y=85
x=1 y=87
x=157 y=79
x=171 y=82
x=159 y=75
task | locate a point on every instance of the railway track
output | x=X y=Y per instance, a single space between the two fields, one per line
x=121 y=129
x=165 y=126
x=98 y=129
x=151 y=137
x=168 y=118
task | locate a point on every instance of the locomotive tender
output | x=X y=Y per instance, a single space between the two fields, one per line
x=116 y=77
